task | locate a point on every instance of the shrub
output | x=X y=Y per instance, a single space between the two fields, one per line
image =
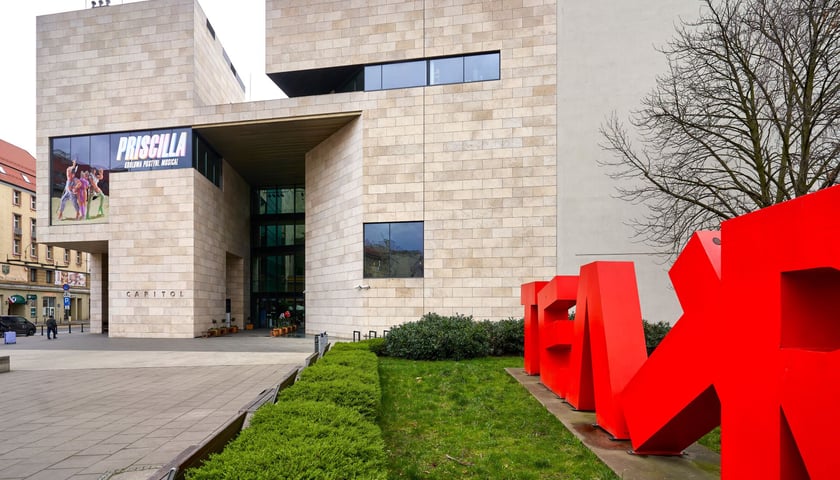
x=301 y=440
x=360 y=394
x=506 y=337
x=435 y=337
x=654 y=333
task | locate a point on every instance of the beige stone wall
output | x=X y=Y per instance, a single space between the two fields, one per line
x=236 y=229
x=152 y=253
x=476 y=162
x=209 y=260
x=98 y=279
x=334 y=234
x=93 y=77
x=302 y=35
x=215 y=82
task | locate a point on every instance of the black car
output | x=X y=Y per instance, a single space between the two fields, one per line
x=19 y=325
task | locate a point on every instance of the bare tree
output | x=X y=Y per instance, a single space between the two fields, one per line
x=746 y=117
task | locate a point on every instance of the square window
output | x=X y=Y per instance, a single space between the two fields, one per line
x=393 y=250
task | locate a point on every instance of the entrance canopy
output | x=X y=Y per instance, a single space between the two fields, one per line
x=17 y=299
x=272 y=152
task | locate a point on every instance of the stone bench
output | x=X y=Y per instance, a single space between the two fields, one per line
x=4 y=364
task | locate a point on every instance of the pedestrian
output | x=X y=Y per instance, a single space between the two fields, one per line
x=52 y=328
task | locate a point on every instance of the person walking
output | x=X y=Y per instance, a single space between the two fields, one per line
x=52 y=327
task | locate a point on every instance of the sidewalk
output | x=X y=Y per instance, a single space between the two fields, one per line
x=85 y=406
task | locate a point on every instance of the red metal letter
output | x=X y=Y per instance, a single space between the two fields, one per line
x=528 y=297
x=609 y=343
x=554 y=301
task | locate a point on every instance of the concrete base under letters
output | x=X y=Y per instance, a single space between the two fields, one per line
x=696 y=463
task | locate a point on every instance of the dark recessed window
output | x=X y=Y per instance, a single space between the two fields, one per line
x=393 y=250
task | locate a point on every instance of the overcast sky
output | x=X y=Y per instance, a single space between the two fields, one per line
x=239 y=25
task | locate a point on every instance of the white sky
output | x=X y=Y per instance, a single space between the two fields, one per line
x=239 y=25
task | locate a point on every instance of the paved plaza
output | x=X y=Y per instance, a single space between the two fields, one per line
x=86 y=406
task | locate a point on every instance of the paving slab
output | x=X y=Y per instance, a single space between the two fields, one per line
x=696 y=463
x=92 y=407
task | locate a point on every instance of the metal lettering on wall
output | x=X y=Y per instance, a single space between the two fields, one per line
x=757 y=348
x=154 y=294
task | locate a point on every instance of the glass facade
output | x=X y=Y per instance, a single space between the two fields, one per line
x=277 y=256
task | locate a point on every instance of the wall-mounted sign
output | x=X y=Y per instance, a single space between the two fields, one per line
x=80 y=167
x=154 y=294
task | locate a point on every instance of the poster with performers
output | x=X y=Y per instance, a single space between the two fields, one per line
x=81 y=166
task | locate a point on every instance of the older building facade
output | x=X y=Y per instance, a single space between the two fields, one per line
x=33 y=275
x=426 y=161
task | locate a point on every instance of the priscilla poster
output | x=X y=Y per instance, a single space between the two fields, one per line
x=80 y=168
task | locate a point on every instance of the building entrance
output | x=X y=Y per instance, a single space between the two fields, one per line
x=277 y=258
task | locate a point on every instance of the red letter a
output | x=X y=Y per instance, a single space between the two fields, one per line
x=609 y=343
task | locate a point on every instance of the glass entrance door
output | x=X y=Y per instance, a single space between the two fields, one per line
x=277 y=269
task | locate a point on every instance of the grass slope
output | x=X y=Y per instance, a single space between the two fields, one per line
x=471 y=420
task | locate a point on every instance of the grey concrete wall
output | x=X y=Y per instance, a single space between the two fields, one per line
x=606 y=63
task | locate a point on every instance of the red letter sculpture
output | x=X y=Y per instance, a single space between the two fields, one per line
x=554 y=301
x=528 y=297
x=609 y=342
x=765 y=344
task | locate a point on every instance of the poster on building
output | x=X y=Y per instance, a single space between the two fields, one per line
x=80 y=168
x=73 y=279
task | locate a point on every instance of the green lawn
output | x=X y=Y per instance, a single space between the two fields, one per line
x=471 y=420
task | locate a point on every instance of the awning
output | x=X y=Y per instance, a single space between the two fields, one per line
x=17 y=299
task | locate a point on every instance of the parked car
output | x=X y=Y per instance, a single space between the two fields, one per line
x=16 y=324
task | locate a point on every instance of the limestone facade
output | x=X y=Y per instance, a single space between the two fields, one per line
x=476 y=162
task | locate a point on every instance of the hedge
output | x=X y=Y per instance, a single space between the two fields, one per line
x=321 y=427
x=458 y=337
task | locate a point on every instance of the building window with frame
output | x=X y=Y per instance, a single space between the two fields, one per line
x=33 y=205
x=33 y=230
x=49 y=253
x=33 y=275
x=393 y=250
x=16 y=197
x=78 y=258
x=50 y=276
x=16 y=219
x=66 y=256
x=16 y=247
x=33 y=250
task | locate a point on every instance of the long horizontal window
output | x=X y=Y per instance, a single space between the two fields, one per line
x=437 y=71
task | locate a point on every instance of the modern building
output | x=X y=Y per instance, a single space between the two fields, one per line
x=432 y=156
x=32 y=274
